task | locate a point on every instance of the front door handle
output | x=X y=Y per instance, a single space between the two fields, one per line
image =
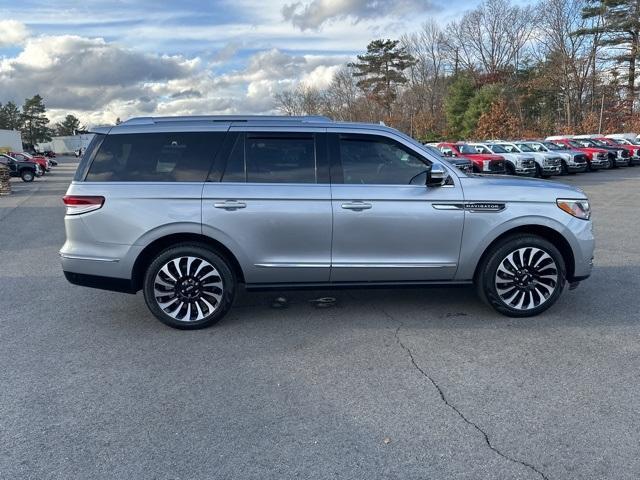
x=357 y=206
x=230 y=205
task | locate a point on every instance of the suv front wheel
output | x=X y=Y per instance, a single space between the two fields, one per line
x=189 y=287
x=522 y=276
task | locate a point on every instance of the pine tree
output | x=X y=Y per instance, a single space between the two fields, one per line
x=459 y=95
x=620 y=31
x=10 y=117
x=34 y=128
x=381 y=71
x=69 y=126
x=479 y=104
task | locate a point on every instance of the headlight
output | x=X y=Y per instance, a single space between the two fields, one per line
x=577 y=208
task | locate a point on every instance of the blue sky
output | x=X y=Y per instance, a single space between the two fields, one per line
x=108 y=59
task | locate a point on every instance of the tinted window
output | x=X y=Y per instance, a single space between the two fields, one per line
x=155 y=157
x=272 y=158
x=370 y=160
x=235 y=171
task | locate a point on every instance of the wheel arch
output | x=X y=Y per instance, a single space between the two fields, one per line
x=152 y=249
x=548 y=233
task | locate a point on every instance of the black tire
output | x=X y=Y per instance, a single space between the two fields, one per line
x=204 y=255
x=564 y=169
x=509 y=169
x=539 y=171
x=487 y=276
x=27 y=175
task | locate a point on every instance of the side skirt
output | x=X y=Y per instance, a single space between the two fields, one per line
x=254 y=287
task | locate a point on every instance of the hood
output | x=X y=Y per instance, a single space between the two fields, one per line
x=516 y=189
x=484 y=156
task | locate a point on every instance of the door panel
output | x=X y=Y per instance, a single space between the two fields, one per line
x=401 y=237
x=272 y=206
x=394 y=232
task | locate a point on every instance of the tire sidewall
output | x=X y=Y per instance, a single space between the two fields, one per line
x=27 y=176
x=487 y=276
x=226 y=274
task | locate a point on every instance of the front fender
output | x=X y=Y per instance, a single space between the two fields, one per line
x=483 y=228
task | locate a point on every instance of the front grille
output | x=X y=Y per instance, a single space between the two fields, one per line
x=624 y=153
x=580 y=159
x=601 y=156
x=528 y=163
x=552 y=162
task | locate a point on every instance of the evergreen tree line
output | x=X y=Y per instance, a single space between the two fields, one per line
x=32 y=122
x=501 y=70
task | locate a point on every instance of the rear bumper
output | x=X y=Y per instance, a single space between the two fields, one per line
x=103 y=283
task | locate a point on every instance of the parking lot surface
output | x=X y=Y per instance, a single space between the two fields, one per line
x=406 y=384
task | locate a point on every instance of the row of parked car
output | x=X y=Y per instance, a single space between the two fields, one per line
x=555 y=155
x=26 y=165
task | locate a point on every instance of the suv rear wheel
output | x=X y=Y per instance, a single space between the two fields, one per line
x=522 y=276
x=189 y=287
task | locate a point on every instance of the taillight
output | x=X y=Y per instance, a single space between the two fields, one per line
x=77 y=204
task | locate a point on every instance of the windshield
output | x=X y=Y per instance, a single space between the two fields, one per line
x=524 y=147
x=468 y=149
x=497 y=149
x=554 y=146
x=598 y=143
x=575 y=144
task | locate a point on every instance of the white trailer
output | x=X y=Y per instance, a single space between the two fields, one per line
x=10 y=141
x=66 y=144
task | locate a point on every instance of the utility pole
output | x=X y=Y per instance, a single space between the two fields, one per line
x=601 y=113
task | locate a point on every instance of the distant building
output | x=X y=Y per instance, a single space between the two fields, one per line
x=67 y=144
x=10 y=141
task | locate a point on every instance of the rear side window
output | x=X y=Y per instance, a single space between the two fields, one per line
x=272 y=158
x=155 y=157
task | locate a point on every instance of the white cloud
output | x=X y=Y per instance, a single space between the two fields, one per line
x=313 y=14
x=99 y=81
x=12 y=32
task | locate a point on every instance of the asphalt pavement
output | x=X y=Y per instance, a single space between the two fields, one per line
x=389 y=384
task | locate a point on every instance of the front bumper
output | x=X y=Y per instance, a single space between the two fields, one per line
x=577 y=167
x=599 y=163
x=526 y=172
x=551 y=170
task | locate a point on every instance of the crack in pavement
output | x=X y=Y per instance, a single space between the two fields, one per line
x=453 y=407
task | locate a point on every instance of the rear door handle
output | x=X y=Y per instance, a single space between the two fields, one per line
x=230 y=205
x=357 y=206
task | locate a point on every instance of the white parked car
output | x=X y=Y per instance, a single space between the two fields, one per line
x=547 y=164
x=517 y=163
x=573 y=161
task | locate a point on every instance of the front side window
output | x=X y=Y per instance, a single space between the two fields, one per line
x=155 y=157
x=272 y=158
x=374 y=160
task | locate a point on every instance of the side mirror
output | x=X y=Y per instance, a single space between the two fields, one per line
x=437 y=175
x=447 y=153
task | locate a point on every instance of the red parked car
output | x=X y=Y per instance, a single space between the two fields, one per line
x=482 y=162
x=39 y=159
x=597 y=158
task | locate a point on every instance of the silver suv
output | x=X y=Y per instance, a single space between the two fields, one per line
x=187 y=209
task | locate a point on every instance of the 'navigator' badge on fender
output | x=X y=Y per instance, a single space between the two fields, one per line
x=484 y=206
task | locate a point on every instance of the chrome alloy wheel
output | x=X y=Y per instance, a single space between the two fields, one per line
x=526 y=278
x=188 y=289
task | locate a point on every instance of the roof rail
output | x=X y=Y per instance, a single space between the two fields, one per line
x=227 y=118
